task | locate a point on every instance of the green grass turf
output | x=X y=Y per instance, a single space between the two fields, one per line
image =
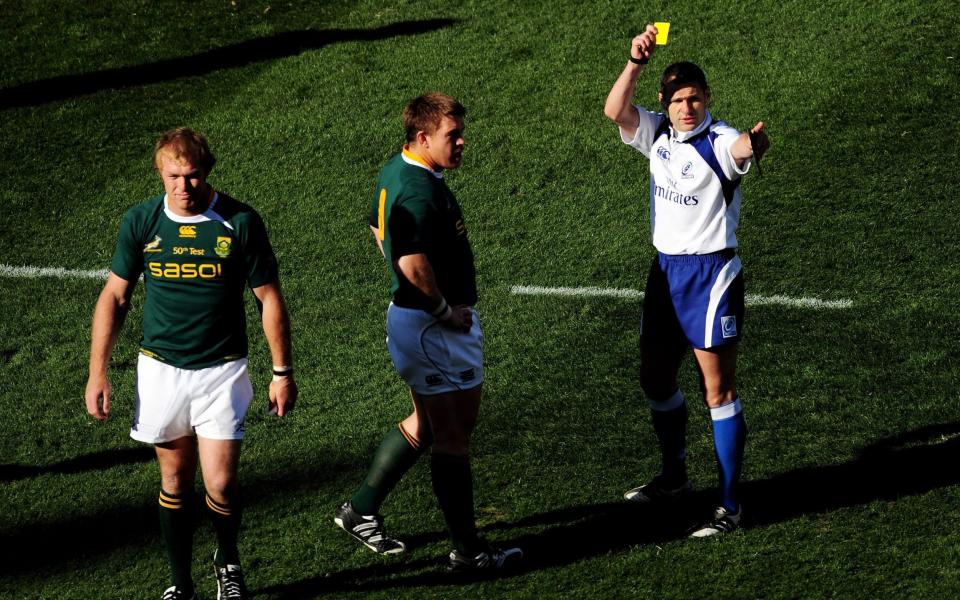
x=851 y=479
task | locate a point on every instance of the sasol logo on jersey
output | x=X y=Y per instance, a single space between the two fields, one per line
x=173 y=270
x=188 y=231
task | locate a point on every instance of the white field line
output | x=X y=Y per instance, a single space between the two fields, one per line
x=751 y=299
x=520 y=290
x=51 y=272
x=533 y=290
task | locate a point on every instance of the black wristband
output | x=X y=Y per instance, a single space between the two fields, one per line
x=283 y=372
x=639 y=61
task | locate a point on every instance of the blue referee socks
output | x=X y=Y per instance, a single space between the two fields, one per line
x=669 y=418
x=729 y=437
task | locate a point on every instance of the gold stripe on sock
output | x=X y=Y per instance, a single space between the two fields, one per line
x=217 y=508
x=414 y=442
x=167 y=501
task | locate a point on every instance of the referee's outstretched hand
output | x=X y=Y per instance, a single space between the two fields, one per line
x=759 y=141
x=643 y=45
x=750 y=143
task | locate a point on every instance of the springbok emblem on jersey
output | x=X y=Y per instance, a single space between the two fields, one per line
x=153 y=246
x=223 y=246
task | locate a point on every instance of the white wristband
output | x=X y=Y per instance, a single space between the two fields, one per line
x=443 y=310
x=282 y=372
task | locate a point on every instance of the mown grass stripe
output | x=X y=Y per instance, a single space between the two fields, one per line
x=752 y=299
x=52 y=272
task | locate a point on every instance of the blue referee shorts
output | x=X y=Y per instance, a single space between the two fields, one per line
x=694 y=298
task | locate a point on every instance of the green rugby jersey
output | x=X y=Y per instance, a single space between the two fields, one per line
x=194 y=269
x=415 y=212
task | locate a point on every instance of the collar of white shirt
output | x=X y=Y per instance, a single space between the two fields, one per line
x=682 y=136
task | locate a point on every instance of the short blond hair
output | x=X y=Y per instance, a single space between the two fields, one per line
x=184 y=145
x=425 y=112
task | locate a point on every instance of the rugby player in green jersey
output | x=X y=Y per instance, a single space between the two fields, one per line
x=433 y=335
x=197 y=249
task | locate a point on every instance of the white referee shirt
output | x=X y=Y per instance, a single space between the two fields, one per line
x=694 y=183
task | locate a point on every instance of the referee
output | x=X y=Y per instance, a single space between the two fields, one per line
x=694 y=295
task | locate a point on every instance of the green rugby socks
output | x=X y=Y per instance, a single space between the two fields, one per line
x=176 y=529
x=397 y=453
x=226 y=522
x=453 y=486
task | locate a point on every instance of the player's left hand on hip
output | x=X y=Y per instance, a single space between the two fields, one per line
x=462 y=318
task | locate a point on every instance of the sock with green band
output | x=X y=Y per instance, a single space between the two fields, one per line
x=397 y=453
x=176 y=528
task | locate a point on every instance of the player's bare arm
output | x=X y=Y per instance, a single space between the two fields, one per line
x=619 y=106
x=417 y=270
x=108 y=318
x=276 y=327
x=752 y=143
x=376 y=236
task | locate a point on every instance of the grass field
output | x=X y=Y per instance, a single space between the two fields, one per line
x=852 y=484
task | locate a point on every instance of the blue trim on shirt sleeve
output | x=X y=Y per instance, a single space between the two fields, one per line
x=662 y=128
x=703 y=144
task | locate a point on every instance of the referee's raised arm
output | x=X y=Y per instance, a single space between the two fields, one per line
x=619 y=105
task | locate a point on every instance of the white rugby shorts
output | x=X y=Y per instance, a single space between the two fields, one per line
x=431 y=357
x=172 y=402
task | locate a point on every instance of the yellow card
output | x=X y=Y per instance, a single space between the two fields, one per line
x=663 y=30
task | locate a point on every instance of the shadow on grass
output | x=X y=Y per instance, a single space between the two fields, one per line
x=280 y=45
x=903 y=465
x=94 y=531
x=97 y=461
x=572 y=534
x=913 y=463
x=909 y=464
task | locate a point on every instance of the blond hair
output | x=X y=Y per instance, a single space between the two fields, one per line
x=184 y=145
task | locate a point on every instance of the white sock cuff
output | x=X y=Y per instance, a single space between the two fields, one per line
x=672 y=403
x=729 y=410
